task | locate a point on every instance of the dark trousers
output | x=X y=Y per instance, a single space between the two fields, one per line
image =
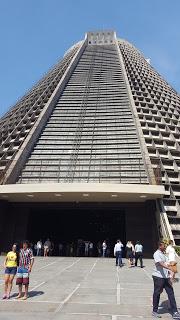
x=118 y=258
x=159 y=285
x=38 y=253
x=139 y=256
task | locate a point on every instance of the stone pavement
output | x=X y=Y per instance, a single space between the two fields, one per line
x=85 y=289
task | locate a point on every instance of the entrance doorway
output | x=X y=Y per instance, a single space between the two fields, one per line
x=67 y=222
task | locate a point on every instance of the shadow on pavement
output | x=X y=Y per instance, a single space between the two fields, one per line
x=164 y=307
x=30 y=294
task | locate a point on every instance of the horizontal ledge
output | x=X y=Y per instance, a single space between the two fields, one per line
x=91 y=192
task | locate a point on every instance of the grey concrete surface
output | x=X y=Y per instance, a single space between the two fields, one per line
x=85 y=289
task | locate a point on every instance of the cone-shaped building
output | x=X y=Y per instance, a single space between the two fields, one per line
x=93 y=146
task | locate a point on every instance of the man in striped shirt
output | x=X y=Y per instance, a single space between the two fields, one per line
x=26 y=261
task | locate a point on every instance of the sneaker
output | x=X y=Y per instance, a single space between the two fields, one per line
x=4 y=297
x=156 y=315
x=176 y=315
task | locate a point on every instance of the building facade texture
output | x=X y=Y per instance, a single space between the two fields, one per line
x=103 y=114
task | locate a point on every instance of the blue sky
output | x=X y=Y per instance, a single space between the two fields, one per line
x=35 y=34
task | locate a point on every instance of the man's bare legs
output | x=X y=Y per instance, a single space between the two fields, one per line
x=20 y=291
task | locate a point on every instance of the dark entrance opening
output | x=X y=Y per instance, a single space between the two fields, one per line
x=67 y=222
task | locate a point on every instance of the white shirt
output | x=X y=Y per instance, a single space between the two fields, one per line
x=118 y=247
x=39 y=244
x=104 y=245
x=138 y=248
x=171 y=253
x=159 y=271
x=86 y=245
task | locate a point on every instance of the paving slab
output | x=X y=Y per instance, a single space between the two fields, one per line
x=70 y=288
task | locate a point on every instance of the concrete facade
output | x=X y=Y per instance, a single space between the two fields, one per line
x=102 y=115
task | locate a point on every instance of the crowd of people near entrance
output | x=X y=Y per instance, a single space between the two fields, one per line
x=87 y=248
x=19 y=263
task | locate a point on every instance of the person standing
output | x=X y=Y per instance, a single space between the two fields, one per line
x=71 y=249
x=130 y=250
x=118 y=253
x=35 y=249
x=161 y=279
x=99 y=248
x=80 y=248
x=47 y=247
x=10 y=265
x=91 y=246
x=86 y=248
x=60 y=249
x=39 y=248
x=26 y=261
x=51 y=250
x=104 y=247
x=138 y=254
x=108 y=249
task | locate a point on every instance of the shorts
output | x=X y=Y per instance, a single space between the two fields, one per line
x=130 y=255
x=11 y=270
x=22 y=276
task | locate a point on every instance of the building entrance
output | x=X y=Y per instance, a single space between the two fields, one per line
x=68 y=222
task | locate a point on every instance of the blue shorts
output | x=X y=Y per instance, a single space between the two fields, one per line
x=11 y=270
x=22 y=276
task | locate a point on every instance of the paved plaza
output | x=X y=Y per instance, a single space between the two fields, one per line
x=67 y=288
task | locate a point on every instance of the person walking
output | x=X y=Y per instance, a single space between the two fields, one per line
x=10 y=265
x=26 y=261
x=39 y=248
x=130 y=251
x=161 y=279
x=104 y=247
x=139 y=254
x=118 y=253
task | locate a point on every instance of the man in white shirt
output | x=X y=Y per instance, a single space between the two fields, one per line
x=39 y=248
x=161 y=278
x=118 y=253
x=138 y=254
x=104 y=247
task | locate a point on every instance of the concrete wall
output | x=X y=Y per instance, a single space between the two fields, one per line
x=141 y=225
x=13 y=224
